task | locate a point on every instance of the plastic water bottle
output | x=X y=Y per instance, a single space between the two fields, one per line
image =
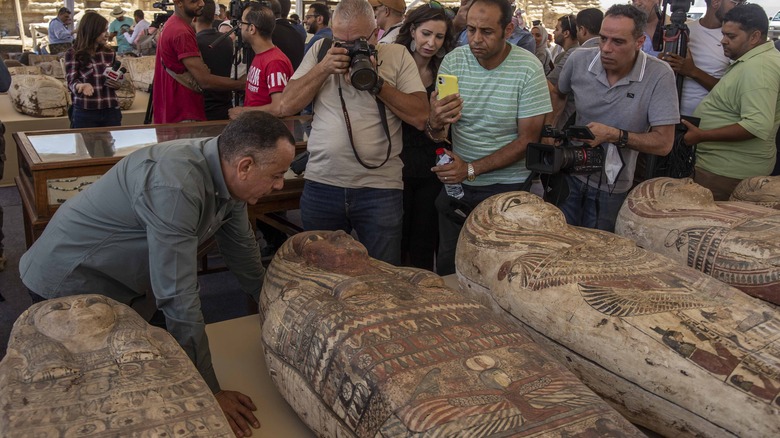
x=454 y=190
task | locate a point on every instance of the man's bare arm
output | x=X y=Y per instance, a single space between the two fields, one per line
x=208 y=81
x=300 y=92
x=411 y=108
x=658 y=141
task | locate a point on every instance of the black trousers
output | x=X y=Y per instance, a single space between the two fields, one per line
x=420 y=233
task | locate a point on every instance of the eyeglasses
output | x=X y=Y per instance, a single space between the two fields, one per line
x=244 y=22
x=739 y=2
x=311 y=16
x=433 y=4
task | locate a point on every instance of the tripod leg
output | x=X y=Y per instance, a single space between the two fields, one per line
x=149 y=107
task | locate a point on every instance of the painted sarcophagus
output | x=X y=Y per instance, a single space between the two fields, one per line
x=761 y=190
x=86 y=365
x=736 y=242
x=673 y=349
x=361 y=348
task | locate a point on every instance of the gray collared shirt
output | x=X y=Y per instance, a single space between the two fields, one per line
x=138 y=229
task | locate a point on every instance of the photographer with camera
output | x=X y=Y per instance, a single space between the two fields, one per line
x=270 y=69
x=500 y=108
x=739 y=117
x=180 y=75
x=628 y=100
x=361 y=94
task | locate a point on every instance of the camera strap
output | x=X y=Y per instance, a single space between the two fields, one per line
x=326 y=43
x=383 y=114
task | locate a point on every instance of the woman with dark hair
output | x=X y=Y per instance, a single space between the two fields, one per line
x=427 y=34
x=94 y=97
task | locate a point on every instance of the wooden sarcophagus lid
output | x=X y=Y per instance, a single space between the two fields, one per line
x=670 y=347
x=361 y=348
x=86 y=365
x=735 y=242
x=761 y=190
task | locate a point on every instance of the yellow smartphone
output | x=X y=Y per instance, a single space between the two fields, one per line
x=446 y=85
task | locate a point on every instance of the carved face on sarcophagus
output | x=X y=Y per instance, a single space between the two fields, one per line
x=676 y=350
x=761 y=190
x=362 y=348
x=736 y=242
x=87 y=365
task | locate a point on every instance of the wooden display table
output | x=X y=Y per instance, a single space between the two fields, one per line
x=56 y=165
x=15 y=122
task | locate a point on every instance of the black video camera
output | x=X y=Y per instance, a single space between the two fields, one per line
x=569 y=156
x=363 y=75
x=161 y=18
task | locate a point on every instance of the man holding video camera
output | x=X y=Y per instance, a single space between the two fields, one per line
x=360 y=96
x=628 y=100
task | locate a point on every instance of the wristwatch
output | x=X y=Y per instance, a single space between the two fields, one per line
x=623 y=140
x=471 y=176
x=377 y=86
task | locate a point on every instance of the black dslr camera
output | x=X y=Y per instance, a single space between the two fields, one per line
x=569 y=156
x=362 y=75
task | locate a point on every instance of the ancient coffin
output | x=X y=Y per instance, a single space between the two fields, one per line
x=361 y=348
x=39 y=96
x=24 y=70
x=673 y=349
x=51 y=65
x=735 y=242
x=761 y=190
x=86 y=365
x=141 y=69
x=125 y=95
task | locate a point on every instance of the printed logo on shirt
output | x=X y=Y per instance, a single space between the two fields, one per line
x=277 y=79
x=253 y=79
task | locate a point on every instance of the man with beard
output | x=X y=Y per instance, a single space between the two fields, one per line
x=317 y=19
x=623 y=95
x=180 y=74
x=740 y=116
x=705 y=63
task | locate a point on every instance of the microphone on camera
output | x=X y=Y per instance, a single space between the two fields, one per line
x=115 y=72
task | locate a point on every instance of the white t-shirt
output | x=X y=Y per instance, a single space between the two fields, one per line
x=139 y=27
x=707 y=52
x=331 y=159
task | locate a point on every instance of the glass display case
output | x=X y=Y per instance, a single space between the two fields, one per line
x=56 y=165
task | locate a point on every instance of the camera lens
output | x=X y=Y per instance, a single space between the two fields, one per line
x=363 y=76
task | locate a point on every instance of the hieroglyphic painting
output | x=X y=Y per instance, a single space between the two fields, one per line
x=86 y=365
x=736 y=242
x=361 y=348
x=709 y=353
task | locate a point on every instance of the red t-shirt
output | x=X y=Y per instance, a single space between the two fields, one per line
x=172 y=101
x=268 y=74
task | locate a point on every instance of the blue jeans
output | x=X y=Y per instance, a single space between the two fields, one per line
x=375 y=214
x=589 y=207
x=96 y=118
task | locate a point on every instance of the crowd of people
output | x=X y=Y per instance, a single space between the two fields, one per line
x=377 y=130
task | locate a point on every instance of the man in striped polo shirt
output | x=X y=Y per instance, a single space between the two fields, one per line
x=499 y=110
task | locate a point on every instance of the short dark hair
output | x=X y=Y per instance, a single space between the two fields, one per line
x=209 y=9
x=276 y=7
x=222 y=7
x=750 y=17
x=322 y=10
x=503 y=6
x=569 y=23
x=253 y=133
x=262 y=18
x=138 y=14
x=629 y=11
x=284 y=8
x=62 y=11
x=590 y=19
